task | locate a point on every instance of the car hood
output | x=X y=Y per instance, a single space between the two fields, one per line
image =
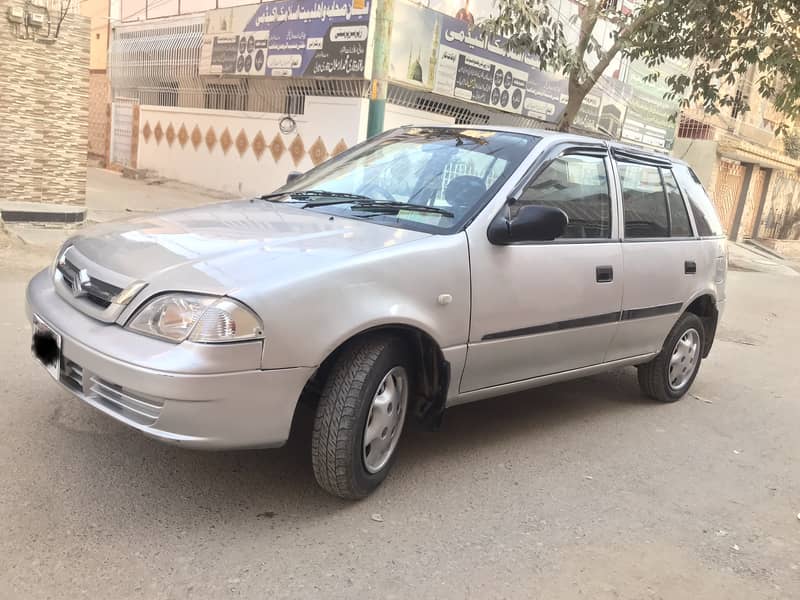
x=220 y=248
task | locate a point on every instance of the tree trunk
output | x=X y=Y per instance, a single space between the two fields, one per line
x=576 y=94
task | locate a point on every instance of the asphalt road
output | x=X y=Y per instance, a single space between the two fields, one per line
x=578 y=490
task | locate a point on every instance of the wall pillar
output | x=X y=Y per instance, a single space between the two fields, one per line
x=740 y=204
x=761 y=203
x=135 y=137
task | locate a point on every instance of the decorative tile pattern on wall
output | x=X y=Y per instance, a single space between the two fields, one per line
x=183 y=135
x=259 y=145
x=277 y=147
x=211 y=139
x=340 y=147
x=242 y=143
x=170 y=135
x=197 y=137
x=44 y=117
x=225 y=141
x=44 y=113
x=297 y=149
x=146 y=132
x=317 y=152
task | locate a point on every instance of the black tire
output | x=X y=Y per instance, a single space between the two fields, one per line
x=344 y=406
x=654 y=376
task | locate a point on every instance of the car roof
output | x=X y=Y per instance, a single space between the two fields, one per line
x=556 y=136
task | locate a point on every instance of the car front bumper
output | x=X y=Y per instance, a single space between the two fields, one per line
x=194 y=395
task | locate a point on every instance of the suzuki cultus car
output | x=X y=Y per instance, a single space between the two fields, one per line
x=426 y=267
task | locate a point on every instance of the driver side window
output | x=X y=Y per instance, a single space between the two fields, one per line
x=578 y=185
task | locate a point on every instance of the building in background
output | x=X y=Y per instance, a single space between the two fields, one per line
x=100 y=14
x=44 y=68
x=235 y=97
x=752 y=180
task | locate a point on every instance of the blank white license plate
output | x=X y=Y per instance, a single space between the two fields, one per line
x=46 y=346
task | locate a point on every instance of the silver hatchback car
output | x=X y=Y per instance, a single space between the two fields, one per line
x=424 y=268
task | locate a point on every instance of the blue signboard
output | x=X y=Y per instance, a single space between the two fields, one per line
x=289 y=38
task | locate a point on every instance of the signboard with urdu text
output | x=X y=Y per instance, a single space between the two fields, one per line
x=288 y=38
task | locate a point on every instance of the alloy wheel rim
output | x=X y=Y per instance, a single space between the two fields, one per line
x=387 y=413
x=684 y=359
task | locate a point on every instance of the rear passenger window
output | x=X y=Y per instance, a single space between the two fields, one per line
x=679 y=218
x=644 y=201
x=578 y=185
x=705 y=217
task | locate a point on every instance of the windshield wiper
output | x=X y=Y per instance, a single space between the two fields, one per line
x=274 y=195
x=359 y=202
x=388 y=206
x=337 y=197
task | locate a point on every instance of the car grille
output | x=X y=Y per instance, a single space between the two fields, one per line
x=72 y=376
x=139 y=408
x=99 y=293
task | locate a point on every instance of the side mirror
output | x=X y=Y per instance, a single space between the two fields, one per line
x=532 y=224
x=293 y=175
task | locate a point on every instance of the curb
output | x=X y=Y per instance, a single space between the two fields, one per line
x=764 y=248
x=66 y=217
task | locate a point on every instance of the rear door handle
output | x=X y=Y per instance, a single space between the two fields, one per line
x=690 y=267
x=605 y=274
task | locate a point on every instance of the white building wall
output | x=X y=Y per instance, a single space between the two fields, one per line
x=191 y=145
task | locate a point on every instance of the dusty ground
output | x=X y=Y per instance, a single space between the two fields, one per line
x=579 y=490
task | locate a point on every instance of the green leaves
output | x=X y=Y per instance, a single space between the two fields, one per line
x=729 y=43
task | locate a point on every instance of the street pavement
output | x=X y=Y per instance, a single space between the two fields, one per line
x=578 y=490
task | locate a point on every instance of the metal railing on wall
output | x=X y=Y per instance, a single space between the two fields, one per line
x=158 y=63
x=464 y=113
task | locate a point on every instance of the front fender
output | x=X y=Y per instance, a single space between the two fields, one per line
x=306 y=319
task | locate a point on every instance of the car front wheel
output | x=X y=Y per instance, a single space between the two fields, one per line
x=670 y=374
x=360 y=416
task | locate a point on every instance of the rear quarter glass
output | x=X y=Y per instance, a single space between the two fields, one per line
x=705 y=216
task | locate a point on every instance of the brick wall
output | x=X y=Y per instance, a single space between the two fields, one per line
x=44 y=98
x=98 y=112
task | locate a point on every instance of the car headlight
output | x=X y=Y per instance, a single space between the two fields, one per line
x=204 y=319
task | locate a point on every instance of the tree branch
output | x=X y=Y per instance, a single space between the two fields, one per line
x=587 y=27
x=62 y=13
x=625 y=34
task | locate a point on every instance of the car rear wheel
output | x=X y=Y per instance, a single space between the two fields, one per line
x=670 y=374
x=360 y=416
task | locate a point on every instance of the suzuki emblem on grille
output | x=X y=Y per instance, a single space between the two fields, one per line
x=80 y=283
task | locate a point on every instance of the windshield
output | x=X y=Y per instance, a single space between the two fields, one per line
x=425 y=178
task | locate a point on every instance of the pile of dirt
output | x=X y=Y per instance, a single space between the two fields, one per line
x=8 y=240
x=17 y=255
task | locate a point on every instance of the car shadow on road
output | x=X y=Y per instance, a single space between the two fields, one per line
x=540 y=411
x=263 y=484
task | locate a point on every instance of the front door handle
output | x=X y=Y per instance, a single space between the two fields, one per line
x=690 y=267
x=605 y=274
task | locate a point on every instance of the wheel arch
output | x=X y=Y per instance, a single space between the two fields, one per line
x=704 y=305
x=430 y=394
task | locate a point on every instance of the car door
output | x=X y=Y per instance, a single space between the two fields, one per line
x=547 y=307
x=660 y=252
